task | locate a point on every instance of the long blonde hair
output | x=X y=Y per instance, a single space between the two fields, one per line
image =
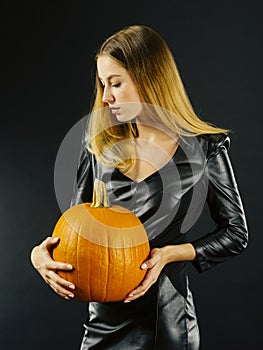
x=152 y=67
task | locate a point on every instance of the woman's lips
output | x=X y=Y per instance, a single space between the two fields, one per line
x=114 y=110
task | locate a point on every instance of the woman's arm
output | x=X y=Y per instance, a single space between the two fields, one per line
x=180 y=252
x=41 y=255
x=230 y=236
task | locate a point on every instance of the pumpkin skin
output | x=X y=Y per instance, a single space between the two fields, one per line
x=105 y=246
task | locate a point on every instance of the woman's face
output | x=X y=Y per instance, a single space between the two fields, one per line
x=119 y=91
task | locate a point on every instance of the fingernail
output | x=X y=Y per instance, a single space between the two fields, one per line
x=67 y=298
x=131 y=295
x=55 y=239
x=69 y=266
x=71 y=295
x=127 y=301
x=71 y=286
x=143 y=266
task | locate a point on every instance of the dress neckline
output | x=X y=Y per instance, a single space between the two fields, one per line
x=153 y=173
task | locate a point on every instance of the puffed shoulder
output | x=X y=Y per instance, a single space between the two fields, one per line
x=214 y=143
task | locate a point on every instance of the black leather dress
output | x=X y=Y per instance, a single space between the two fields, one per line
x=168 y=203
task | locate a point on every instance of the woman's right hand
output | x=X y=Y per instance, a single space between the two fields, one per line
x=41 y=258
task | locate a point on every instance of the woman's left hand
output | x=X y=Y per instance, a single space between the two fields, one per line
x=154 y=266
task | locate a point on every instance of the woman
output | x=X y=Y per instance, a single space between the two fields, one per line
x=160 y=160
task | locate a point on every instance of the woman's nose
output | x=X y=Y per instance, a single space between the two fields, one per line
x=107 y=96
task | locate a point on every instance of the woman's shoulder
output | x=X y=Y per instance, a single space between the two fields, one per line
x=213 y=143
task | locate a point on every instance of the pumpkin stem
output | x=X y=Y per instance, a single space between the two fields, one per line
x=100 y=196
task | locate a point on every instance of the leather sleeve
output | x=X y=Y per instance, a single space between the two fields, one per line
x=83 y=184
x=230 y=235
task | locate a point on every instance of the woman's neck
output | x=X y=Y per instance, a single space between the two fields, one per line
x=154 y=131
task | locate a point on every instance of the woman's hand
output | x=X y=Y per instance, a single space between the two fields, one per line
x=154 y=266
x=42 y=261
x=158 y=259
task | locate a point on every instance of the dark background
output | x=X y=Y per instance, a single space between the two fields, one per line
x=47 y=51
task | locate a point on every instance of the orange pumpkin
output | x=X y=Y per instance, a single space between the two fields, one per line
x=105 y=244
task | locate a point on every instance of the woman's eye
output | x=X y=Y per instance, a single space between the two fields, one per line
x=116 y=85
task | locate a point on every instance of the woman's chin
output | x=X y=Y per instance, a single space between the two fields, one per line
x=124 y=118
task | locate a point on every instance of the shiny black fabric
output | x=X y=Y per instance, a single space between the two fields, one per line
x=168 y=202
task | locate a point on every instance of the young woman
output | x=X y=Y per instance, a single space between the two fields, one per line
x=160 y=160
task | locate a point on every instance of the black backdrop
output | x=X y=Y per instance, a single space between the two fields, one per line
x=47 y=51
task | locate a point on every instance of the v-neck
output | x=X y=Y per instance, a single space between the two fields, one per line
x=153 y=173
